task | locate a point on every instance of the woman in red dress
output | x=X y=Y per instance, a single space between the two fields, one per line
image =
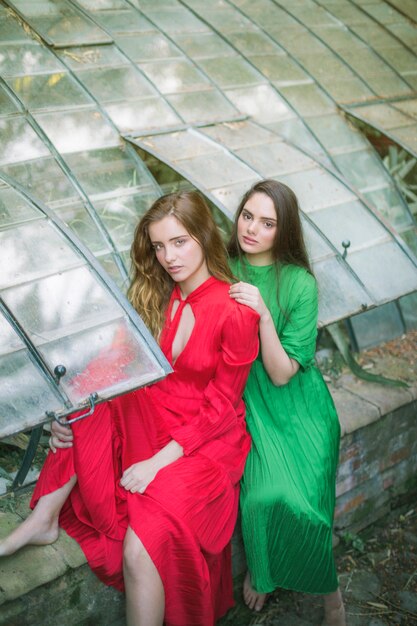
x=149 y=485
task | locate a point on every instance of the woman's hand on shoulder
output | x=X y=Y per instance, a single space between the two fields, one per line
x=248 y=294
x=139 y=475
x=61 y=436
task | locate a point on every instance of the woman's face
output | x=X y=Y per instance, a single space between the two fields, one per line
x=179 y=254
x=257 y=229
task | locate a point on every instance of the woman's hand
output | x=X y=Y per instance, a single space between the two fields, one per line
x=138 y=476
x=61 y=436
x=247 y=294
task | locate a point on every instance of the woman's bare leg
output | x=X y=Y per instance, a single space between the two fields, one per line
x=334 y=610
x=252 y=598
x=41 y=527
x=145 y=596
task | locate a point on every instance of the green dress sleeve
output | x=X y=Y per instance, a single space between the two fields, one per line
x=299 y=332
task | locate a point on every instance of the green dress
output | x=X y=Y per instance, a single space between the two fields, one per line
x=288 y=487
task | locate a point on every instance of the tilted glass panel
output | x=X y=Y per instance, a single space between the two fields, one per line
x=49 y=91
x=363 y=169
x=336 y=134
x=18 y=141
x=218 y=169
x=389 y=205
x=237 y=135
x=317 y=246
x=275 y=159
x=370 y=326
x=308 y=100
x=60 y=22
x=181 y=145
x=279 y=69
x=262 y=103
x=296 y=131
x=230 y=195
x=22 y=404
x=349 y=222
x=386 y=271
x=255 y=43
x=107 y=359
x=88 y=57
x=340 y=294
x=10 y=29
x=317 y=189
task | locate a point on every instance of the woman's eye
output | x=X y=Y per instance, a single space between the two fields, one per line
x=157 y=247
x=246 y=216
x=268 y=224
x=179 y=242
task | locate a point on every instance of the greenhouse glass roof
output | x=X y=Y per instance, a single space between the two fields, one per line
x=98 y=97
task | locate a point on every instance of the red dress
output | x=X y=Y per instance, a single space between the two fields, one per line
x=186 y=517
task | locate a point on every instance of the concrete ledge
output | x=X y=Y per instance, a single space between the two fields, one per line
x=42 y=586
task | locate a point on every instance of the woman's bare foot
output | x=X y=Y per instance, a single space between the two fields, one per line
x=252 y=598
x=35 y=530
x=334 y=610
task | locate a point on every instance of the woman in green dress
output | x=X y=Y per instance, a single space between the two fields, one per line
x=288 y=487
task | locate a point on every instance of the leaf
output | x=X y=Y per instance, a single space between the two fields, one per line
x=377 y=605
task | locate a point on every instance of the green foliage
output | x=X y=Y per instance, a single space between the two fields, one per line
x=354 y=541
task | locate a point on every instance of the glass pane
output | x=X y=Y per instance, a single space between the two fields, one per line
x=252 y=43
x=408 y=306
x=180 y=145
x=231 y=195
x=10 y=28
x=106 y=359
x=388 y=203
x=60 y=22
x=18 y=141
x=77 y=218
x=26 y=58
x=340 y=294
x=308 y=100
x=378 y=325
x=350 y=222
x=296 y=131
x=116 y=83
x=279 y=69
x=92 y=56
x=204 y=45
x=317 y=246
x=262 y=103
x=49 y=91
x=274 y=159
x=147 y=47
x=60 y=305
x=142 y=115
x=43 y=178
x=177 y=19
x=363 y=168
x=203 y=106
x=7 y=105
x=317 y=189
x=385 y=270
x=14 y=210
x=121 y=214
x=25 y=408
x=23 y=259
x=218 y=169
x=231 y=72
x=104 y=171
x=335 y=133
x=122 y=21
x=175 y=76
x=237 y=135
x=73 y=131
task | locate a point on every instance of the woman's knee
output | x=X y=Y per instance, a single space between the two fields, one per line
x=134 y=553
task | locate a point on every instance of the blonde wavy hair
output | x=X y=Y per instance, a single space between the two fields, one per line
x=151 y=285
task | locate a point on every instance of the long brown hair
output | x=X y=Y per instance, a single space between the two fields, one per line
x=288 y=246
x=151 y=285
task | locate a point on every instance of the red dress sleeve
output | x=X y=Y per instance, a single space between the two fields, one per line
x=223 y=395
